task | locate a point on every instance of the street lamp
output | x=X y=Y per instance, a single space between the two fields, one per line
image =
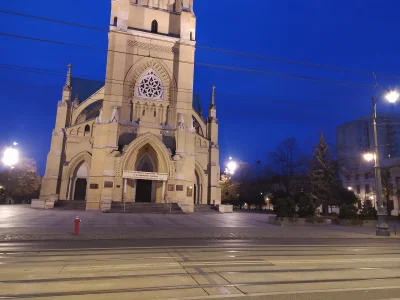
x=10 y=159
x=350 y=188
x=369 y=156
x=231 y=166
x=382 y=228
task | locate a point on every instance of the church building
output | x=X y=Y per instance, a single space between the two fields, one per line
x=140 y=136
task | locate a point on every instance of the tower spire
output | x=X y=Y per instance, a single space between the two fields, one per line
x=213 y=98
x=68 y=80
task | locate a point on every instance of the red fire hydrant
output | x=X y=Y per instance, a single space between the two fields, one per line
x=77 y=221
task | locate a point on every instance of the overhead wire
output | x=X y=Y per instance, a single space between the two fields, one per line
x=220 y=95
x=238 y=53
x=293 y=76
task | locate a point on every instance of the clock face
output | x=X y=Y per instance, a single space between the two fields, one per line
x=150 y=86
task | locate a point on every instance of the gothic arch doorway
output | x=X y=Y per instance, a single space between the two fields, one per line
x=146 y=189
x=80 y=182
x=197 y=189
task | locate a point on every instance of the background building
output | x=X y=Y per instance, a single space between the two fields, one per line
x=356 y=138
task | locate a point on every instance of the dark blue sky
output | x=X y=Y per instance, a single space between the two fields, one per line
x=255 y=111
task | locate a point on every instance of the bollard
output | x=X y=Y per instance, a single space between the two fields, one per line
x=77 y=221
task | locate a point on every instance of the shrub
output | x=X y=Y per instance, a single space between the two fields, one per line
x=306 y=207
x=368 y=212
x=285 y=207
x=348 y=211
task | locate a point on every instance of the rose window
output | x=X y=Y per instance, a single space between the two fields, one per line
x=150 y=86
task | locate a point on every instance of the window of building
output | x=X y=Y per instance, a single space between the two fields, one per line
x=357 y=176
x=348 y=177
x=143 y=112
x=87 y=130
x=366 y=175
x=115 y=21
x=358 y=189
x=367 y=190
x=154 y=26
x=150 y=86
x=155 y=114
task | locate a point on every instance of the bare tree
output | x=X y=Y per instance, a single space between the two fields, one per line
x=288 y=163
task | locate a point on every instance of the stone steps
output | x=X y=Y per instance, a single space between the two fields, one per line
x=204 y=208
x=70 y=205
x=142 y=208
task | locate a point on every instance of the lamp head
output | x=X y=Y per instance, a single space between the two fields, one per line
x=369 y=156
x=10 y=157
x=392 y=96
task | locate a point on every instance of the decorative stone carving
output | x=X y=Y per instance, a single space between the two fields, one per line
x=141 y=69
x=99 y=119
x=150 y=86
x=181 y=121
x=167 y=133
x=62 y=104
x=127 y=129
x=152 y=47
x=115 y=114
x=74 y=139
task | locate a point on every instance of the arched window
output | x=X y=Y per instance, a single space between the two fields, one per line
x=154 y=26
x=87 y=130
x=115 y=21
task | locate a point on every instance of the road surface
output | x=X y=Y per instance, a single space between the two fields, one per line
x=269 y=269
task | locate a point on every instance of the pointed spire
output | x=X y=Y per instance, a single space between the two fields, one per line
x=68 y=80
x=213 y=98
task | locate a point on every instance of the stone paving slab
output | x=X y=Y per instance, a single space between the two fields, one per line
x=21 y=223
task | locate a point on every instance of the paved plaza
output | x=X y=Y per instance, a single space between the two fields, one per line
x=24 y=223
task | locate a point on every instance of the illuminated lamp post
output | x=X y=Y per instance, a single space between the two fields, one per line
x=382 y=228
x=10 y=159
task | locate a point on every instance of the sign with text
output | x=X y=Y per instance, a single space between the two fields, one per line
x=145 y=175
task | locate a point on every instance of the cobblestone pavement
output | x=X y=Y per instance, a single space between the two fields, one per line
x=24 y=223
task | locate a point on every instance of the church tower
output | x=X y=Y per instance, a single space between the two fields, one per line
x=139 y=137
x=148 y=90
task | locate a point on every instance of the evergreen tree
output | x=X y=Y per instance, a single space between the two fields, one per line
x=323 y=176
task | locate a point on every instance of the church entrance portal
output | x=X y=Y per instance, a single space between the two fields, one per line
x=80 y=189
x=143 y=191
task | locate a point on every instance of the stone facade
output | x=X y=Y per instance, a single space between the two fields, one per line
x=141 y=120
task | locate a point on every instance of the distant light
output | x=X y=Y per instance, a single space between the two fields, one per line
x=230 y=158
x=261 y=193
x=350 y=188
x=15 y=143
x=392 y=96
x=369 y=156
x=10 y=157
x=232 y=166
x=371 y=197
